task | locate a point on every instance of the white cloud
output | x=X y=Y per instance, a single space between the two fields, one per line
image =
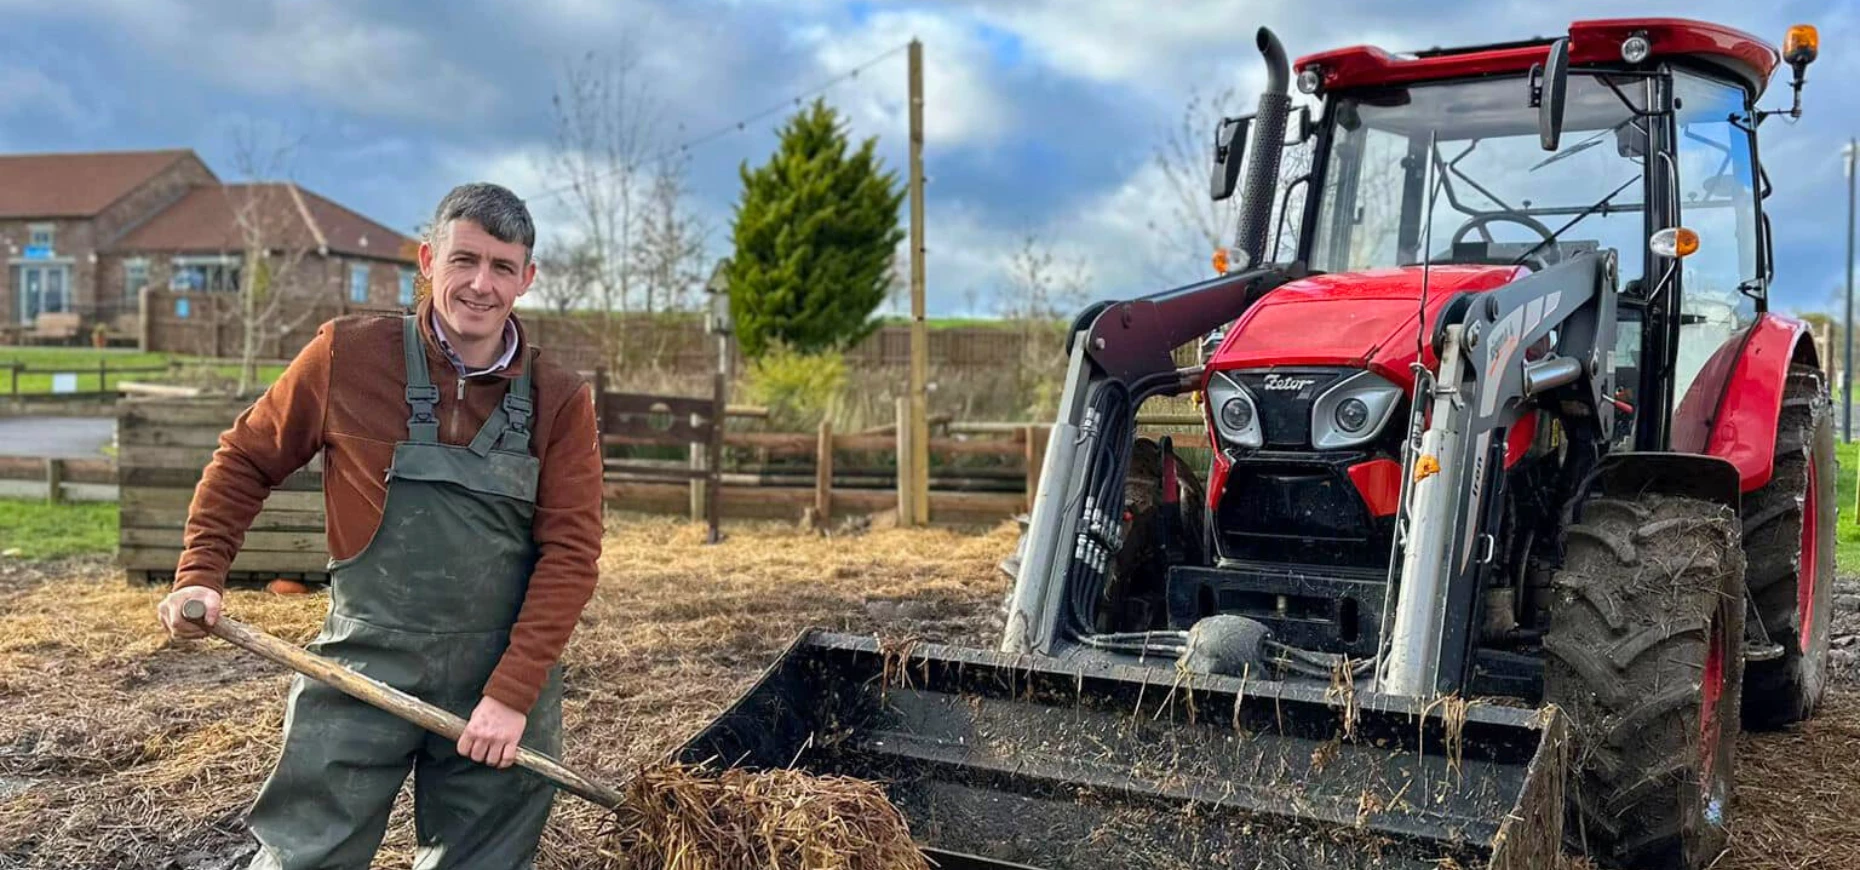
x=331 y=53
x=964 y=103
x=1117 y=235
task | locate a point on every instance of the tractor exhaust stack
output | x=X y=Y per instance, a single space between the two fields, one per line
x=1262 y=175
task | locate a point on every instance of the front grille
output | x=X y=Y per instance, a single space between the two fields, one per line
x=1284 y=398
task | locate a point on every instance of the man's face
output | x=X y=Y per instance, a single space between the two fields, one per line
x=476 y=279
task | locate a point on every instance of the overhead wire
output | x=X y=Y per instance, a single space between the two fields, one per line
x=739 y=124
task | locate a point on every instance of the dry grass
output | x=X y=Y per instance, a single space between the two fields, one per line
x=142 y=753
x=1798 y=793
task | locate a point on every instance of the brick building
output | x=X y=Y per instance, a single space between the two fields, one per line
x=85 y=233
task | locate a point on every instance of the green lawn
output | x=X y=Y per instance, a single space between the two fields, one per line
x=84 y=362
x=1847 y=547
x=40 y=530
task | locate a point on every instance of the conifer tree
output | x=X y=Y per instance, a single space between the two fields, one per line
x=815 y=232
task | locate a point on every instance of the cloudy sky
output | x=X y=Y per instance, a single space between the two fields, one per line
x=1043 y=116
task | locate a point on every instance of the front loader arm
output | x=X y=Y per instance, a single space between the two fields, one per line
x=1486 y=378
x=1119 y=356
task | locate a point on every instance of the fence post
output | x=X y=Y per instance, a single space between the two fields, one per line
x=103 y=375
x=823 y=473
x=144 y=316
x=906 y=498
x=14 y=368
x=54 y=480
x=600 y=396
x=698 y=484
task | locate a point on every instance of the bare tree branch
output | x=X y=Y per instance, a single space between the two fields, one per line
x=1197 y=224
x=273 y=237
x=668 y=255
x=566 y=274
x=604 y=120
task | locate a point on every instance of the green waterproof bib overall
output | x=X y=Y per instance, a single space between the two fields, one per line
x=427 y=608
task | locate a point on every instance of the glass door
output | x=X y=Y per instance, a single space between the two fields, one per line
x=41 y=289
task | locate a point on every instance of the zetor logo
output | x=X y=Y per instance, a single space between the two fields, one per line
x=1281 y=383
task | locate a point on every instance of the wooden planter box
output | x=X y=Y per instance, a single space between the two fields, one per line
x=164 y=445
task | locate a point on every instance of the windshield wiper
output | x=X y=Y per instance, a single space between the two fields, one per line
x=1582 y=146
x=1600 y=204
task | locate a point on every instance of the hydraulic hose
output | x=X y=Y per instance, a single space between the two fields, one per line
x=1111 y=418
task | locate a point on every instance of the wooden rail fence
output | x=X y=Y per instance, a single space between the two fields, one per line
x=102 y=372
x=981 y=473
x=57 y=479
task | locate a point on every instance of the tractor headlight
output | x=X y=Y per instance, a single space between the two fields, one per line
x=1353 y=411
x=1236 y=414
x=1352 y=415
x=1235 y=418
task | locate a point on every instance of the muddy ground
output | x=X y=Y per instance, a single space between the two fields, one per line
x=120 y=749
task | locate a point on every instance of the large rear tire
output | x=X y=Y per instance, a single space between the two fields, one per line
x=1789 y=529
x=1644 y=646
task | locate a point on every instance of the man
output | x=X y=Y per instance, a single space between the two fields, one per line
x=462 y=479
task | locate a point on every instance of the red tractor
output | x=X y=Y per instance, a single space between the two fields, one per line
x=1519 y=505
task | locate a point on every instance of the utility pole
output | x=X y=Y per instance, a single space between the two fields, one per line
x=1847 y=326
x=920 y=338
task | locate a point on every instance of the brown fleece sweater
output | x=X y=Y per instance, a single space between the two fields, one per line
x=343 y=396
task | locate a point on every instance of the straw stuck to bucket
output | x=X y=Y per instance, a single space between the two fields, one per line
x=681 y=817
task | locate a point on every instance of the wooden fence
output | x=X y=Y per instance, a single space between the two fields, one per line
x=981 y=473
x=58 y=480
x=102 y=372
x=163 y=444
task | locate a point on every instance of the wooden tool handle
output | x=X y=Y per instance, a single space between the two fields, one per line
x=389 y=698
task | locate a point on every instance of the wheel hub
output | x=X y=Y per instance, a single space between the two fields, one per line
x=1805 y=571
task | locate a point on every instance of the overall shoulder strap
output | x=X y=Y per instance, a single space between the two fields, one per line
x=519 y=406
x=509 y=424
x=422 y=396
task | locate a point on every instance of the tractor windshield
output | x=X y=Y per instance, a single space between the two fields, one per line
x=1500 y=197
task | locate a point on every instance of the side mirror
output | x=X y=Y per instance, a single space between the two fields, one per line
x=1229 y=156
x=1554 y=91
x=1302 y=125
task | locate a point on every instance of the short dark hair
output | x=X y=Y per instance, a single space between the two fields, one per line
x=492 y=206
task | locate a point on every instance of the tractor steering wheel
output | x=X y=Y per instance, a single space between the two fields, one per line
x=1544 y=257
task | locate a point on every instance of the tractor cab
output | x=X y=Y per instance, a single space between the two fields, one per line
x=1634 y=140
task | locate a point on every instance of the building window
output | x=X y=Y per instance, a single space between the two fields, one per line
x=135 y=274
x=205 y=274
x=406 y=286
x=358 y=283
x=40 y=236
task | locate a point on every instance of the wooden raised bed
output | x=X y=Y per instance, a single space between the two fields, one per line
x=164 y=446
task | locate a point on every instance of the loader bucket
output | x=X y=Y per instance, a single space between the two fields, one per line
x=1004 y=761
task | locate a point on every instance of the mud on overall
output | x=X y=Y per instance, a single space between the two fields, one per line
x=427 y=608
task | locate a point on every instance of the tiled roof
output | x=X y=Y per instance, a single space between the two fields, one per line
x=75 y=185
x=208 y=219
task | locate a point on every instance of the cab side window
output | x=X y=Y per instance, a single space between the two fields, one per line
x=1717 y=199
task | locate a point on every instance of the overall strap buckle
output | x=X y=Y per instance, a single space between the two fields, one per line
x=423 y=423
x=422 y=396
x=518 y=409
